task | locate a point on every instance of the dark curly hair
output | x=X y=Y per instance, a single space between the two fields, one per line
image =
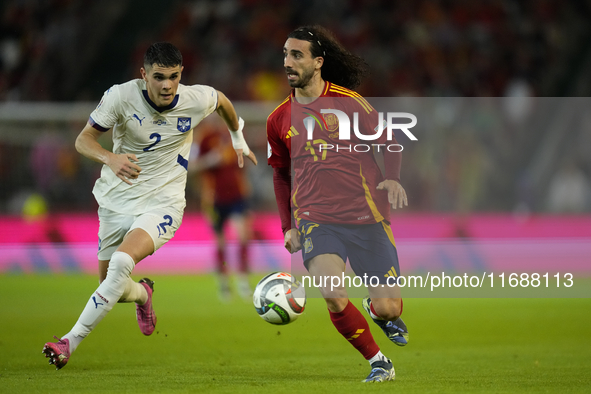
x=340 y=67
x=163 y=54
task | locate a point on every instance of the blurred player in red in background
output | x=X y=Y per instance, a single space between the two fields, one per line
x=340 y=199
x=224 y=196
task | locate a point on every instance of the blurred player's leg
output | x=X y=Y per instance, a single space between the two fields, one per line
x=225 y=293
x=218 y=216
x=242 y=226
x=243 y=285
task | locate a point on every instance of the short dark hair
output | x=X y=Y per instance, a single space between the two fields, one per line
x=163 y=54
x=340 y=67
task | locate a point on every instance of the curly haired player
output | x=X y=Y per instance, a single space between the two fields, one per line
x=340 y=199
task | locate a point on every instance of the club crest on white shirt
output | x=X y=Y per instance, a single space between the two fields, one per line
x=183 y=124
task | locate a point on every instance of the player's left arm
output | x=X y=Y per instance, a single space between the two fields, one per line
x=392 y=164
x=235 y=125
x=396 y=193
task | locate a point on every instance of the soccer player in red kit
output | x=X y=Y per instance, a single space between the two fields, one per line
x=340 y=199
x=225 y=191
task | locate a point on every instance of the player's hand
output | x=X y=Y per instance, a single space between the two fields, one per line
x=124 y=167
x=396 y=194
x=239 y=144
x=240 y=154
x=292 y=240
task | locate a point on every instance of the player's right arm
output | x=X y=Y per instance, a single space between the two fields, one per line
x=279 y=158
x=235 y=124
x=291 y=240
x=282 y=187
x=121 y=164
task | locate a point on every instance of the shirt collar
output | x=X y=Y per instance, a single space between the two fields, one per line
x=157 y=108
x=324 y=90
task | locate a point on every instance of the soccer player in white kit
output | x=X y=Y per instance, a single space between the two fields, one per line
x=141 y=191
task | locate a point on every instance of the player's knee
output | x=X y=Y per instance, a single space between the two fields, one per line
x=335 y=295
x=120 y=267
x=336 y=305
x=387 y=308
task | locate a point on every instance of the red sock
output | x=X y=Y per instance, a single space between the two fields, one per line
x=243 y=259
x=353 y=326
x=374 y=311
x=221 y=261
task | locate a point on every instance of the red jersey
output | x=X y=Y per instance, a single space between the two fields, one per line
x=331 y=185
x=225 y=183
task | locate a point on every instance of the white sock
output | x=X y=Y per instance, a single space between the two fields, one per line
x=378 y=357
x=103 y=299
x=74 y=340
x=134 y=292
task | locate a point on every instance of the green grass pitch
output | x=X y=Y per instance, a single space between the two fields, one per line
x=202 y=345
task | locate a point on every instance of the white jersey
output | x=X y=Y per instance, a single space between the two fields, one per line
x=159 y=137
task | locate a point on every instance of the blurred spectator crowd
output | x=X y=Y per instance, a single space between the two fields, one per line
x=426 y=48
x=69 y=50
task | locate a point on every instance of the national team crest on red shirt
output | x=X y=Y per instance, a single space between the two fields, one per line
x=332 y=122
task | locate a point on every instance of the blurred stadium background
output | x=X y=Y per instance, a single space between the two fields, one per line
x=497 y=179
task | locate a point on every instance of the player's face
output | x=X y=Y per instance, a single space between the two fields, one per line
x=162 y=83
x=298 y=62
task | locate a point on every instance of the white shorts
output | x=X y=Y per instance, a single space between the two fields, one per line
x=161 y=224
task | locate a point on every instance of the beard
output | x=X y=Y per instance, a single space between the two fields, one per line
x=303 y=80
